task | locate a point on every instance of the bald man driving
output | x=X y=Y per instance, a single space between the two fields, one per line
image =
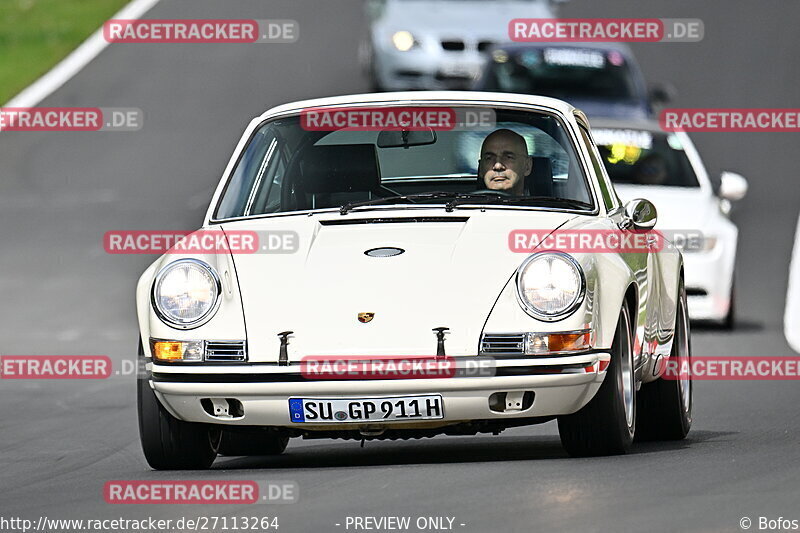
x=504 y=162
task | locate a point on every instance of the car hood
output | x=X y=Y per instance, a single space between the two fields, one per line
x=460 y=18
x=451 y=273
x=681 y=208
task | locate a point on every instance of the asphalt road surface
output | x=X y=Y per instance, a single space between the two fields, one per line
x=60 y=441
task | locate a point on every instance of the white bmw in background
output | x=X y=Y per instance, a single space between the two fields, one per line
x=643 y=161
x=438 y=44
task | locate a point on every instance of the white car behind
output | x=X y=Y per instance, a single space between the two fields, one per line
x=664 y=167
x=438 y=44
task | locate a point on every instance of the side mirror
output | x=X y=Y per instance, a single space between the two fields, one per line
x=662 y=93
x=641 y=214
x=733 y=187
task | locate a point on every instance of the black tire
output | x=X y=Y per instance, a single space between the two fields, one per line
x=601 y=427
x=169 y=443
x=256 y=441
x=665 y=412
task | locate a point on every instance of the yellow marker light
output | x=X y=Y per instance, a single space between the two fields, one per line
x=168 y=351
x=545 y=343
x=177 y=350
x=569 y=342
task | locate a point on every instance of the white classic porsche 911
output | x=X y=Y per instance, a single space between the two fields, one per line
x=458 y=263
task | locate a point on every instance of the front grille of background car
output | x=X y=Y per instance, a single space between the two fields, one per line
x=392 y=220
x=484 y=45
x=453 y=46
x=218 y=351
x=503 y=343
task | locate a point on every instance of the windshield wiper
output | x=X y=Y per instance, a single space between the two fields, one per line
x=461 y=198
x=398 y=198
x=511 y=200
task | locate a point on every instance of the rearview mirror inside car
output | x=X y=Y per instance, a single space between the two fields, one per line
x=405 y=138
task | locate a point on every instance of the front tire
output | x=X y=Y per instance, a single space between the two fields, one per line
x=169 y=443
x=666 y=404
x=607 y=424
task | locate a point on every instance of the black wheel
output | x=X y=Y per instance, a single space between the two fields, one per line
x=257 y=441
x=169 y=443
x=607 y=424
x=665 y=405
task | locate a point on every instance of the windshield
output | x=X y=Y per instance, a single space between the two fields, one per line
x=295 y=164
x=639 y=157
x=566 y=73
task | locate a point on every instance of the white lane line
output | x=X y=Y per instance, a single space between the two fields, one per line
x=791 y=319
x=79 y=58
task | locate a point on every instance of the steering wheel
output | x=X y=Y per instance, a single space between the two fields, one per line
x=492 y=191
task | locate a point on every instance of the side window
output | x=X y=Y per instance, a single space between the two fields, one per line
x=265 y=193
x=610 y=198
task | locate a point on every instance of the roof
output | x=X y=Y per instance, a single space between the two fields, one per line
x=436 y=97
x=626 y=124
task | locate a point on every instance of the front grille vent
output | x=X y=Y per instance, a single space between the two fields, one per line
x=392 y=220
x=222 y=351
x=453 y=46
x=503 y=343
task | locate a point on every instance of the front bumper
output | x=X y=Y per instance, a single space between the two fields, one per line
x=560 y=385
x=430 y=69
x=709 y=278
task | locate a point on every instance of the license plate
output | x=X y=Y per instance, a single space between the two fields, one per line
x=458 y=70
x=322 y=410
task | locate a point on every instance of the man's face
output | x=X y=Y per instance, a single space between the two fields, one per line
x=504 y=162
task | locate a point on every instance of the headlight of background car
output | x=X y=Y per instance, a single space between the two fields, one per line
x=186 y=293
x=550 y=285
x=403 y=40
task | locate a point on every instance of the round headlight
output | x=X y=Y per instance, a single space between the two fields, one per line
x=186 y=293
x=403 y=40
x=550 y=285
